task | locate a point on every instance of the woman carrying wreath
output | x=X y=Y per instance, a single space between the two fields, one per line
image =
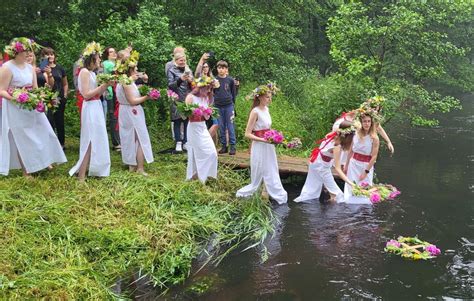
x=135 y=141
x=362 y=156
x=202 y=154
x=27 y=139
x=321 y=161
x=263 y=160
x=94 y=144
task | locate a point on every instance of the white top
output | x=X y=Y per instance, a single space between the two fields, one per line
x=92 y=80
x=327 y=148
x=362 y=145
x=264 y=120
x=121 y=98
x=20 y=77
x=200 y=101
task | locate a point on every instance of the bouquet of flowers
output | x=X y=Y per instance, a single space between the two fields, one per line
x=103 y=78
x=274 y=137
x=293 y=143
x=172 y=96
x=412 y=248
x=47 y=97
x=123 y=79
x=153 y=93
x=376 y=193
x=195 y=110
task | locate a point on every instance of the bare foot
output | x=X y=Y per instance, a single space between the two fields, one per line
x=50 y=167
x=132 y=168
x=142 y=172
x=81 y=179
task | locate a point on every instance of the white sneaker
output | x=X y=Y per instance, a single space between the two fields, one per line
x=185 y=146
x=179 y=147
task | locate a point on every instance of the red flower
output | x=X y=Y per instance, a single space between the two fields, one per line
x=134 y=111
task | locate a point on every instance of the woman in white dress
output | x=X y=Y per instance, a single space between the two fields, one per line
x=134 y=138
x=94 y=143
x=27 y=139
x=202 y=154
x=362 y=157
x=321 y=161
x=263 y=160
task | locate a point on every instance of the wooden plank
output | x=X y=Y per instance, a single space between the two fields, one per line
x=286 y=164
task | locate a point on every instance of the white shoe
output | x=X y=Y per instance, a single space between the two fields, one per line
x=185 y=146
x=179 y=147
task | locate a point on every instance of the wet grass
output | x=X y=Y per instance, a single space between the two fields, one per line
x=61 y=239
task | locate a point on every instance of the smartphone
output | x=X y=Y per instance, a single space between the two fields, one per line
x=210 y=53
x=188 y=73
x=43 y=64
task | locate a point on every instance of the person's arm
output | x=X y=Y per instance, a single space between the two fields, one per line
x=128 y=89
x=250 y=125
x=201 y=62
x=337 y=165
x=86 y=92
x=349 y=156
x=5 y=79
x=48 y=75
x=65 y=84
x=385 y=137
x=35 y=81
x=374 y=153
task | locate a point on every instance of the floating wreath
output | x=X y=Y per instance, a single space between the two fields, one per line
x=412 y=248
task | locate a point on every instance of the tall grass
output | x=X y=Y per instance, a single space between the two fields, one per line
x=61 y=239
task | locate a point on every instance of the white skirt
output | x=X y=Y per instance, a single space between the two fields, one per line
x=202 y=154
x=133 y=130
x=27 y=134
x=319 y=174
x=94 y=133
x=356 y=168
x=264 y=167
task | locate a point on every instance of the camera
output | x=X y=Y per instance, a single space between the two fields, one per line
x=43 y=64
x=210 y=53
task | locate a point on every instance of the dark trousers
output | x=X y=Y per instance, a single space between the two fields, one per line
x=56 y=120
x=177 y=130
x=226 y=123
x=113 y=127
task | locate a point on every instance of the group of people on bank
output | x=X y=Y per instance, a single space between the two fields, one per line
x=29 y=142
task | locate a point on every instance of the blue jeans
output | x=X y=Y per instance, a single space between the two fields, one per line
x=225 y=123
x=177 y=130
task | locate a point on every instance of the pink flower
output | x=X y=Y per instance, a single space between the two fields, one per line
x=171 y=94
x=19 y=47
x=433 y=250
x=197 y=112
x=23 y=97
x=10 y=91
x=375 y=198
x=40 y=107
x=393 y=243
x=154 y=94
x=364 y=184
x=208 y=111
x=278 y=138
x=394 y=194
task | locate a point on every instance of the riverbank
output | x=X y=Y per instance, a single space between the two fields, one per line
x=62 y=239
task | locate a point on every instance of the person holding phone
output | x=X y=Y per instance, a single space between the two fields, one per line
x=180 y=79
x=43 y=71
x=60 y=85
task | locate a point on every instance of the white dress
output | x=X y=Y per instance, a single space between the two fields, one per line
x=132 y=128
x=27 y=133
x=93 y=133
x=264 y=164
x=319 y=173
x=356 y=168
x=202 y=154
x=344 y=153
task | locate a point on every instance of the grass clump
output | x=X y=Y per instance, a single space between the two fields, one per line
x=61 y=239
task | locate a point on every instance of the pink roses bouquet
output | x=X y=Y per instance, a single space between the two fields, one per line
x=153 y=93
x=273 y=137
x=376 y=193
x=39 y=99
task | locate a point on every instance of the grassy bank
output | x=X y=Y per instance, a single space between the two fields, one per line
x=61 y=239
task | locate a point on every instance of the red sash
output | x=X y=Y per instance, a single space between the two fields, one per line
x=325 y=158
x=316 y=151
x=260 y=133
x=193 y=118
x=361 y=157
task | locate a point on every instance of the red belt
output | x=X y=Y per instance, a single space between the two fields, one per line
x=325 y=158
x=260 y=133
x=193 y=118
x=361 y=157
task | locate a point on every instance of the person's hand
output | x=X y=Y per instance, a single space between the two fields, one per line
x=236 y=82
x=47 y=69
x=390 y=148
x=362 y=176
x=205 y=57
x=37 y=70
x=110 y=83
x=184 y=77
x=352 y=184
x=144 y=76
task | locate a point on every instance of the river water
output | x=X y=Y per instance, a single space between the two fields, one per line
x=335 y=252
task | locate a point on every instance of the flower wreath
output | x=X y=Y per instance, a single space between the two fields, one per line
x=349 y=130
x=122 y=66
x=375 y=102
x=204 y=81
x=21 y=44
x=412 y=248
x=365 y=109
x=263 y=89
x=91 y=49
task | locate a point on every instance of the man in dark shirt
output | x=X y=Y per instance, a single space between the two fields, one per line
x=224 y=99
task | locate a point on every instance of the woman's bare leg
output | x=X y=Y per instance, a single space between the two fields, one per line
x=81 y=175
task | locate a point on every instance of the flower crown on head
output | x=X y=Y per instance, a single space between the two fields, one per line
x=91 y=49
x=18 y=45
x=365 y=109
x=375 y=102
x=122 y=66
x=205 y=81
x=349 y=130
x=263 y=89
